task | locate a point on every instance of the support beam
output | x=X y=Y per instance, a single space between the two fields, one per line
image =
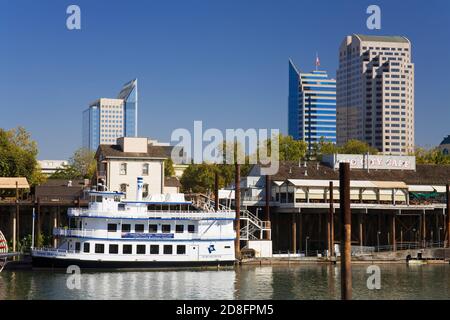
x=346 y=231
x=361 y=235
x=14 y=230
x=55 y=225
x=424 y=230
x=300 y=231
x=237 y=200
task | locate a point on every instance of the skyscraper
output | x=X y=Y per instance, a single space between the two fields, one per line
x=108 y=119
x=375 y=93
x=311 y=106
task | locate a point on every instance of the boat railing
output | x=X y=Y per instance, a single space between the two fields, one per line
x=118 y=235
x=149 y=214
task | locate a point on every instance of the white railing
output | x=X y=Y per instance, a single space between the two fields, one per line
x=192 y=215
x=104 y=234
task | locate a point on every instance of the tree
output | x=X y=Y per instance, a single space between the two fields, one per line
x=432 y=156
x=289 y=149
x=18 y=154
x=82 y=165
x=169 y=171
x=357 y=147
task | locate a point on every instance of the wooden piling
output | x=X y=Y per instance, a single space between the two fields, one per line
x=331 y=222
x=294 y=233
x=17 y=213
x=346 y=229
x=394 y=241
x=448 y=214
x=237 y=200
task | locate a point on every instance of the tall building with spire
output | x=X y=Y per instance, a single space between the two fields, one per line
x=311 y=105
x=375 y=93
x=108 y=119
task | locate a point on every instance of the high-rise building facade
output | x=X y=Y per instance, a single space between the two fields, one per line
x=311 y=106
x=375 y=93
x=108 y=119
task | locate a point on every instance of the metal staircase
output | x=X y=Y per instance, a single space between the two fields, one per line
x=251 y=227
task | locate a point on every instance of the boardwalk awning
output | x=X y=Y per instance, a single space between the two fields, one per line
x=426 y=188
x=10 y=183
x=390 y=184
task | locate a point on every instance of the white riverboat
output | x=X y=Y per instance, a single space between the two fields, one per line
x=156 y=232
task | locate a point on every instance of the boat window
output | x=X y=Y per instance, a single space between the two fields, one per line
x=116 y=199
x=121 y=206
x=127 y=249
x=126 y=227
x=98 y=199
x=181 y=249
x=86 y=247
x=99 y=248
x=152 y=228
x=140 y=249
x=179 y=228
x=112 y=227
x=123 y=188
x=165 y=228
x=227 y=247
x=113 y=248
x=191 y=228
x=138 y=228
x=154 y=249
x=167 y=249
x=77 y=247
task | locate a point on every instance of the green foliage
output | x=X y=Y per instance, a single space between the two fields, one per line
x=82 y=165
x=18 y=154
x=200 y=178
x=169 y=171
x=432 y=156
x=356 y=147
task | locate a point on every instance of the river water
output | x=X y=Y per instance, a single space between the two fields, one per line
x=246 y=282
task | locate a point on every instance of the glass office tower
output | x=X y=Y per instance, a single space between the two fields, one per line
x=311 y=106
x=108 y=119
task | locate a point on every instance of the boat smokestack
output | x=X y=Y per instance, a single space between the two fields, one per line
x=140 y=186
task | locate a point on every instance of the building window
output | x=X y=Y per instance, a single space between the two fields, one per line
x=167 y=249
x=145 y=167
x=123 y=168
x=179 y=228
x=140 y=249
x=112 y=227
x=113 y=248
x=126 y=227
x=86 y=247
x=165 y=228
x=127 y=249
x=181 y=249
x=99 y=248
x=145 y=190
x=123 y=188
x=139 y=228
x=191 y=228
x=152 y=228
x=154 y=249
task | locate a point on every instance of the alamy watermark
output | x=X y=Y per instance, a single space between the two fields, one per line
x=214 y=147
x=74 y=279
x=73 y=21
x=374 y=280
x=374 y=20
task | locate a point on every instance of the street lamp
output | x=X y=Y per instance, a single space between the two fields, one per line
x=378 y=241
x=306 y=247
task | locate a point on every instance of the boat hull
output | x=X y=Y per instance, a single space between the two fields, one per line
x=52 y=262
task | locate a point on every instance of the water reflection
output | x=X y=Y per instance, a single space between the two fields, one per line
x=247 y=282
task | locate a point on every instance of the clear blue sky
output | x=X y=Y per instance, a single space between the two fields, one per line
x=221 y=61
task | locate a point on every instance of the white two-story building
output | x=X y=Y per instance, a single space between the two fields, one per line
x=119 y=165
